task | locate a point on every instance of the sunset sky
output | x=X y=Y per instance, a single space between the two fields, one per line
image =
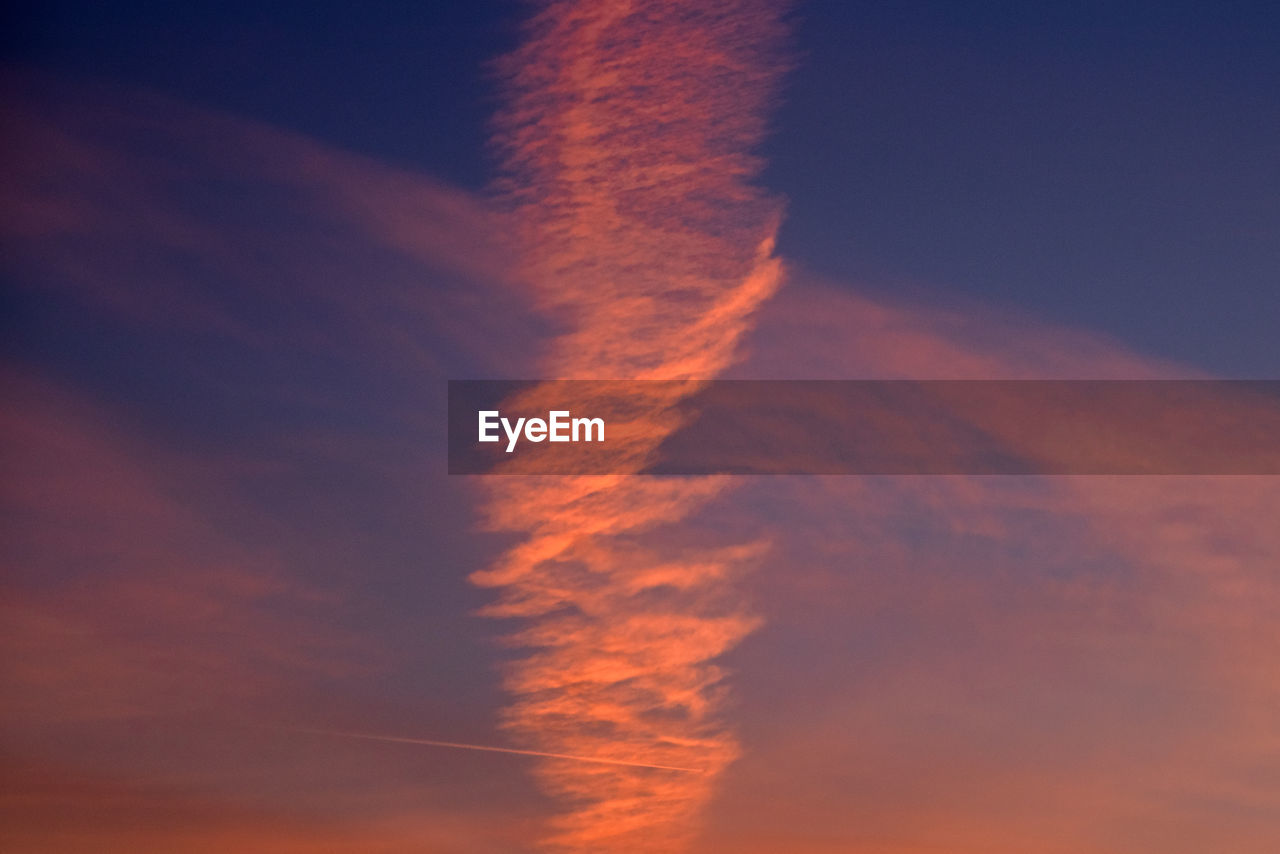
x=245 y=608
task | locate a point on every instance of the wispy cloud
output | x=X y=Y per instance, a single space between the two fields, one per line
x=628 y=133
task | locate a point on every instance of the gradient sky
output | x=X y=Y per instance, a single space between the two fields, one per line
x=1105 y=164
x=245 y=248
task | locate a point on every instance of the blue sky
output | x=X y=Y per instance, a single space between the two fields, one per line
x=1105 y=165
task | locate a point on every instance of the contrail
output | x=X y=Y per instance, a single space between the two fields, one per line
x=490 y=749
x=627 y=133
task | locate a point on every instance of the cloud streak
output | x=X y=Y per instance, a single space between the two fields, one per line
x=627 y=135
x=426 y=742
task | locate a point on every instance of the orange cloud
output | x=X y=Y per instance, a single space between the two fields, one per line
x=627 y=134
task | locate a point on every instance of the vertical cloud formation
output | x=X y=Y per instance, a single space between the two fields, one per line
x=627 y=137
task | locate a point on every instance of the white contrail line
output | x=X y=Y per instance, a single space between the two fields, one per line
x=490 y=749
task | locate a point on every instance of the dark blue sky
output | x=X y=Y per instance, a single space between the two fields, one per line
x=1109 y=165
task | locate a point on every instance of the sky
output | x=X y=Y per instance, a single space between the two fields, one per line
x=1104 y=164
x=246 y=607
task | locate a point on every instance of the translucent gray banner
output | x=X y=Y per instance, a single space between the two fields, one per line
x=893 y=427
